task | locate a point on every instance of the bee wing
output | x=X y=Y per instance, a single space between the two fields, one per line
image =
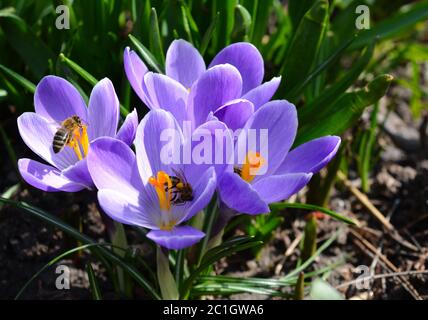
x=180 y=174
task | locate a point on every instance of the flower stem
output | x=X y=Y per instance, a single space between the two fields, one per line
x=210 y=216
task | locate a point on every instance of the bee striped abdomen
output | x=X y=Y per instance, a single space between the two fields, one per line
x=60 y=140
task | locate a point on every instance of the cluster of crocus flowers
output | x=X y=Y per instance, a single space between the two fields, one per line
x=141 y=188
x=62 y=128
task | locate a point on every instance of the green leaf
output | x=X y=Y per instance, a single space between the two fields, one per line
x=329 y=95
x=209 y=34
x=78 y=69
x=223 y=32
x=319 y=69
x=215 y=254
x=9 y=193
x=344 y=112
x=155 y=39
x=399 y=22
x=56 y=222
x=260 y=19
x=297 y=9
x=304 y=47
x=246 y=20
x=321 y=290
x=146 y=54
x=166 y=280
x=93 y=283
x=283 y=205
x=26 y=84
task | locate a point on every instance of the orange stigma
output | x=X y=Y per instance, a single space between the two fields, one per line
x=80 y=138
x=253 y=162
x=162 y=179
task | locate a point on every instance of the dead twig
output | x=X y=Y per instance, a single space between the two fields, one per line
x=362 y=242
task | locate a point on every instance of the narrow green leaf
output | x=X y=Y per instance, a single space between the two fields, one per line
x=93 y=283
x=56 y=222
x=246 y=20
x=9 y=193
x=389 y=27
x=332 y=93
x=10 y=150
x=155 y=39
x=78 y=69
x=26 y=84
x=260 y=20
x=283 y=205
x=146 y=54
x=323 y=66
x=305 y=45
x=209 y=34
x=343 y=113
x=297 y=9
x=167 y=283
x=223 y=32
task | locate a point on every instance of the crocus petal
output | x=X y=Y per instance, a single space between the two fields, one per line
x=203 y=192
x=129 y=128
x=311 y=156
x=278 y=119
x=247 y=59
x=235 y=113
x=167 y=94
x=123 y=208
x=184 y=63
x=240 y=195
x=135 y=70
x=262 y=93
x=214 y=88
x=45 y=177
x=103 y=113
x=158 y=136
x=79 y=173
x=212 y=145
x=177 y=238
x=112 y=165
x=38 y=134
x=281 y=187
x=56 y=99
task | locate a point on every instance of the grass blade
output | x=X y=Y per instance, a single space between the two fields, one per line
x=93 y=283
x=26 y=84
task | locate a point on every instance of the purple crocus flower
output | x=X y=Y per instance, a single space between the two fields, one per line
x=56 y=100
x=284 y=173
x=230 y=89
x=141 y=189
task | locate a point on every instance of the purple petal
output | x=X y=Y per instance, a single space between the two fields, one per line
x=213 y=139
x=113 y=166
x=184 y=63
x=240 y=195
x=214 y=88
x=103 y=113
x=129 y=128
x=45 y=177
x=311 y=156
x=57 y=99
x=247 y=59
x=135 y=70
x=281 y=187
x=167 y=94
x=203 y=191
x=262 y=93
x=79 y=173
x=235 y=113
x=38 y=135
x=178 y=238
x=123 y=208
x=278 y=120
x=150 y=150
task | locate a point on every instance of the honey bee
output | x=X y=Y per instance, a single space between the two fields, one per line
x=64 y=134
x=181 y=190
